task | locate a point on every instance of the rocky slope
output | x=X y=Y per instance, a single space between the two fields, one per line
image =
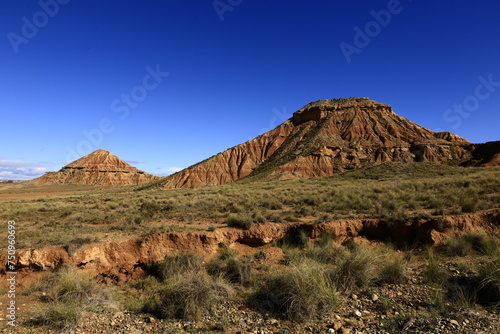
x=331 y=136
x=97 y=168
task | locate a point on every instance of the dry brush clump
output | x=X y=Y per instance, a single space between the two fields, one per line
x=173 y=266
x=472 y=243
x=484 y=286
x=230 y=266
x=189 y=296
x=65 y=295
x=319 y=273
x=180 y=288
x=302 y=291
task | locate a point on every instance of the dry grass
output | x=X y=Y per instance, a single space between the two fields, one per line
x=230 y=266
x=391 y=191
x=189 y=296
x=300 y=292
x=65 y=295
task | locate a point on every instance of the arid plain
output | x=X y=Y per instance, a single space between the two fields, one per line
x=347 y=218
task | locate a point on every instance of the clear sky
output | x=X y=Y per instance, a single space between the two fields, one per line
x=165 y=84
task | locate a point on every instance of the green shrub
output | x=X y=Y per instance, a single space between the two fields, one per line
x=297 y=293
x=489 y=287
x=187 y=297
x=65 y=285
x=322 y=251
x=65 y=295
x=467 y=244
x=356 y=269
x=272 y=204
x=230 y=266
x=433 y=274
x=240 y=222
x=58 y=315
x=457 y=246
x=295 y=237
x=463 y=297
x=150 y=210
x=392 y=269
x=172 y=266
x=71 y=288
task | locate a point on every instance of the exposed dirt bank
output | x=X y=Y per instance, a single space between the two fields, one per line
x=121 y=261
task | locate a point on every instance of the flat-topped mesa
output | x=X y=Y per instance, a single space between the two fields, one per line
x=100 y=168
x=331 y=136
x=318 y=110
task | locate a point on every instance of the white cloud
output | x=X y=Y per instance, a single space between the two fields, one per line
x=167 y=171
x=20 y=170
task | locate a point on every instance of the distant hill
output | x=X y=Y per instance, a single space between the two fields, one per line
x=97 y=168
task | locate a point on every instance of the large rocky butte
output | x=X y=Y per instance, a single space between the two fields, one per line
x=97 y=168
x=332 y=136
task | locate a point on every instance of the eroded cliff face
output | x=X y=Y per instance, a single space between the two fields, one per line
x=327 y=137
x=97 y=168
x=232 y=164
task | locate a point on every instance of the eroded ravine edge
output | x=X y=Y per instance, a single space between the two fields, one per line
x=122 y=261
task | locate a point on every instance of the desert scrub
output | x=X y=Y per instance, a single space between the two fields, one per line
x=372 y=192
x=299 y=292
x=350 y=268
x=57 y=315
x=188 y=296
x=323 y=251
x=230 y=266
x=172 y=266
x=392 y=267
x=65 y=294
x=356 y=269
x=65 y=285
x=433 y=274
x=472 y=243
x=244 y=221
x=489 y=283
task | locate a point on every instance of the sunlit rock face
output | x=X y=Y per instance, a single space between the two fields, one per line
x=97 y=168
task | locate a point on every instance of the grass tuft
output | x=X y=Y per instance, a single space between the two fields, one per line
x=172 y=266
x=297 y=293
x=230 y=266
x=187 y=297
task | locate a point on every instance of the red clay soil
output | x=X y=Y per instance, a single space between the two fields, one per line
x=121 y=261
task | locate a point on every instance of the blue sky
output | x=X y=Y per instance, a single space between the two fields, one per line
x=165 y=84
